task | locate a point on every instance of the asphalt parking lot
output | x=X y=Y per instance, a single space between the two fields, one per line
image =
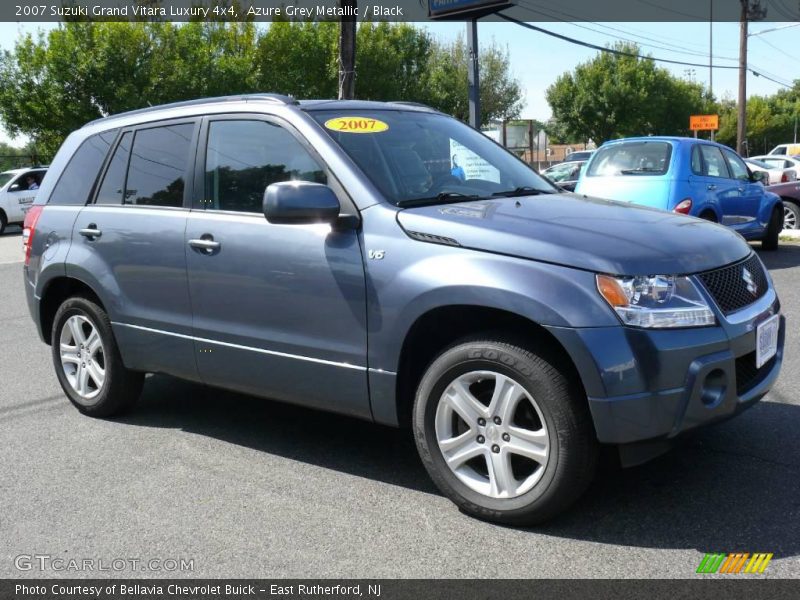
x=250 y=488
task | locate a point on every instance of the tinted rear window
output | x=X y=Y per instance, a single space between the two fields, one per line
x=76 y=181
x=631 y=158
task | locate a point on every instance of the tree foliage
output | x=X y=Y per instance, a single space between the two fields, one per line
x=770 y=120
x=614 y=96
x=53 y=83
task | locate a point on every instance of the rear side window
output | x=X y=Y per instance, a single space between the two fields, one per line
x=713 y=162
x=631 y=158
x=110 y=191
x=244 y=157
x=158 y=164
x=78 y=177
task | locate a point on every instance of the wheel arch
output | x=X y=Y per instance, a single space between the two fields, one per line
x=443 y=326
x=55 y=293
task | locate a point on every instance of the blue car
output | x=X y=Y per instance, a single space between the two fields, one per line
x=688 y=176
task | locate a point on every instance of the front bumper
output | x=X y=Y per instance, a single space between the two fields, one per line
x=656 y=384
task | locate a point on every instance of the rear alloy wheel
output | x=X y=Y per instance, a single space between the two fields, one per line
x=87 y=360
x=82 y=357
x=791 y=215
x=503 y=432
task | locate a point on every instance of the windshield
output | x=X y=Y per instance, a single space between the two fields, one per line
x=5 y=178
x=418 y=158
x=631 y=158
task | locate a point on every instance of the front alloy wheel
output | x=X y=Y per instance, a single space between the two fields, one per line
x=492 y=434
x=504 y=430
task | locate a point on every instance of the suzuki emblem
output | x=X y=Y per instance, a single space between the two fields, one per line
x=752 y=286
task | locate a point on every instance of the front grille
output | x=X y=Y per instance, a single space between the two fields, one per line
x=747 y=376
x=729 y=286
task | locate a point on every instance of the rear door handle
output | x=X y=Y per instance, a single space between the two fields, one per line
x=711 y=186
x=90 y=232
x=206 y=243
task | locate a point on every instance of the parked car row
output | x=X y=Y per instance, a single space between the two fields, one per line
x=689 y=176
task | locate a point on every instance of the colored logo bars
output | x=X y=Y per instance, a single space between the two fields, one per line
x=734 y=563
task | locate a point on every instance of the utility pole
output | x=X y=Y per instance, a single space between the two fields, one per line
x=347 y=49
x=473 y=77
x=751 y=11
x=711 y=54
x=741 y=125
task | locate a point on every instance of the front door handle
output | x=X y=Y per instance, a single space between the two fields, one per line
x=91 y=232
x=741 y=190
x=205 y=243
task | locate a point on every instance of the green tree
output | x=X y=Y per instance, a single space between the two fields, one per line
x=770 y=120
x=616 y=95
x=52 y=84
x=500 y=92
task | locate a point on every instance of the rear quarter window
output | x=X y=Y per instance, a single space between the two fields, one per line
x=81 y=172
x=631 y=158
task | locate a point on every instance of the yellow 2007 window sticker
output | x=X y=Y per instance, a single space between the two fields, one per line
x=356 y=125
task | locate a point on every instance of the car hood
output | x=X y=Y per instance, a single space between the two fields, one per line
x=586 y=233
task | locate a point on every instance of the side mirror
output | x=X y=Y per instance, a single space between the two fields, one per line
x=761 y=176
x=14 y=188
x=300 y=202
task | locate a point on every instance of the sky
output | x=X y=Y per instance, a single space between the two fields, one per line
x=537 y=59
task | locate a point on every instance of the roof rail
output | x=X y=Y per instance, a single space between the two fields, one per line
x=274 y=98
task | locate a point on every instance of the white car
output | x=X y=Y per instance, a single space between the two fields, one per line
x=774 y=174
x=17 y=192
x=781 y=162
x=786 y=150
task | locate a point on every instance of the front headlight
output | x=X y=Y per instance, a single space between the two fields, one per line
x=656 y=302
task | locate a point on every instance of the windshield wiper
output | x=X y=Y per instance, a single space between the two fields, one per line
x=524 y=190
x=440 y=198
x=641 y=170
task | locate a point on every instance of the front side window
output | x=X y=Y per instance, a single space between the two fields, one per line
x=713 y=162
x=631 y=158
x=738 y=168
x=421 y=157
x=244 y=157
x=78 y=177
x=158 y=164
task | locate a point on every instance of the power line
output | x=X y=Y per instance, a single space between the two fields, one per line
x=605 y=49
x=663 y=44
x=571 y=40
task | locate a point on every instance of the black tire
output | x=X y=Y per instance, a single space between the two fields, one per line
x=794 y=209
x=3 y=222
x=770 y=240
x=121 y=387
x=563 y=410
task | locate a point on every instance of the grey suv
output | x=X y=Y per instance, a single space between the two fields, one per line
x=386 y=261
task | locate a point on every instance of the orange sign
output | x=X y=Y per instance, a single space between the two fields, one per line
x=704 y=122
